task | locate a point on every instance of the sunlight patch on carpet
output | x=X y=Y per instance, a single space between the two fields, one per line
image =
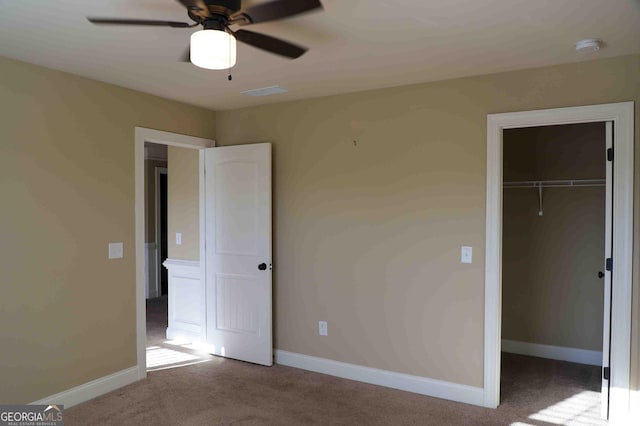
x=161 y=357
x=582 y=409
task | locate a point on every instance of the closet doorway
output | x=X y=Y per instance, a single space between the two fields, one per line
x=556 y=235
x=619 y=266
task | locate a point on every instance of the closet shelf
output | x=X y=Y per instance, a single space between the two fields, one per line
x=539 y=184
x=554 y=183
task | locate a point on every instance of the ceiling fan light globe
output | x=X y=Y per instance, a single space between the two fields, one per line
x=213 y=49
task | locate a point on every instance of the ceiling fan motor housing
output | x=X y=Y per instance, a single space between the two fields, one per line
x=216 y=17
x=223 y=7
x=215 y=22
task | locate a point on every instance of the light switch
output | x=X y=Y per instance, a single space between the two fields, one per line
x=466 y=254
x=178 y=238
x=115 y=251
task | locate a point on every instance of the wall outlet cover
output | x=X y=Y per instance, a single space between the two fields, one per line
x=322 y=328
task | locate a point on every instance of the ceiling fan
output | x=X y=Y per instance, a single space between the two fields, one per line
x=214 y=47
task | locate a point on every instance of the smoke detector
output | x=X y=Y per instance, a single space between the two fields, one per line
x=588 y=45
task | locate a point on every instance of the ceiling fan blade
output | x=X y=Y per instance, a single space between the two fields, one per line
x=270 y=44
x=138 y=22
x=280 y=9
x=197 y=7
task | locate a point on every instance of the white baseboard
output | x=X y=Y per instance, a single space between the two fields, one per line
x=390 y=379
x=92 y=389
x=580 y=356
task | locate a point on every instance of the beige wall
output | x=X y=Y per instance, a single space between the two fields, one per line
x=183 y=203
x=67 y=313
x=368 y=237
x=551 y=293
x=150 y=197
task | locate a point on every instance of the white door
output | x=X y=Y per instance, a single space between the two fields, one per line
x=238 y=252
x=608 y=245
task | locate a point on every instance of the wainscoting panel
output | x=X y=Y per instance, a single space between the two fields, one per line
x=186 y=301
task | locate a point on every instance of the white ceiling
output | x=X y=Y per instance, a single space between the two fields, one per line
x=354 y=44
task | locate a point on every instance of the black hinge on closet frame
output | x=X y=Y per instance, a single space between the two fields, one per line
x=609 y=154
x=609 y=264
x=606 y=372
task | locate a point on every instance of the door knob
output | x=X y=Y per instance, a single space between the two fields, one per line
x=262 y=266
x=600 y=274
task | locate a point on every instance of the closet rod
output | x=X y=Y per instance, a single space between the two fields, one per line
x=555 y=183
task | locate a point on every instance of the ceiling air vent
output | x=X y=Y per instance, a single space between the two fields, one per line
x=266 y=91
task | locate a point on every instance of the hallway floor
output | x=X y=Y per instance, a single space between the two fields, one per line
x=163 y=353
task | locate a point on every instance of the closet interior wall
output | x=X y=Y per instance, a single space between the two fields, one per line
x=551 y=291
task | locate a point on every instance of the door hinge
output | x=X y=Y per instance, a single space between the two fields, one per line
x=609 y=154
x=606 y=373
x=609 y=264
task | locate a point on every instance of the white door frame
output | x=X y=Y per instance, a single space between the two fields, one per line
x=143 y=135
x=622 y=115
x=158 y=171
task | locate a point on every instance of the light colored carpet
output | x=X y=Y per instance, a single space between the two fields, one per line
x=216 y=391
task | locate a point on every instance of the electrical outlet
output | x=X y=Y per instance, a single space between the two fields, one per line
x=178 y=238
x=322 y=328
x=466 y=254
x=115 y=251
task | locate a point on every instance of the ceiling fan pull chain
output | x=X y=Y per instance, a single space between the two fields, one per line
x=229 y=77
